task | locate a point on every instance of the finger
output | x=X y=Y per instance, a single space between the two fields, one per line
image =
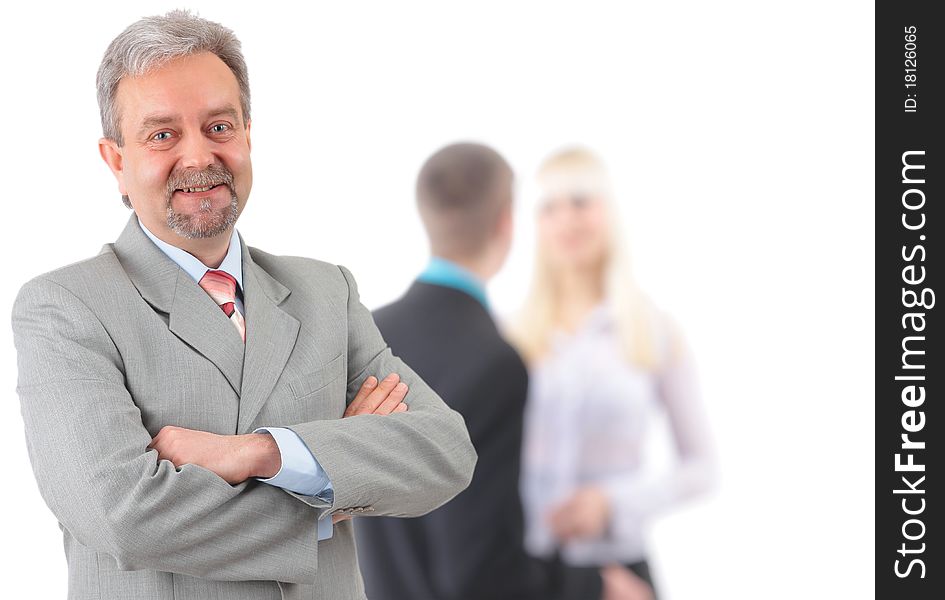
x=154 y=440
x=339 y=518
x=368 y=400
x=369 y=384
x=555 y=521
x=563 y=524
x=380 y=393
x=393 y=400
x=366 y=387
x=402 y=407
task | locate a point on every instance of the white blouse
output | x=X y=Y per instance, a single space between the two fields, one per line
x=586 y=422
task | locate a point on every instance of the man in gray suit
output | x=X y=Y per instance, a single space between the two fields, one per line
x=199 y=412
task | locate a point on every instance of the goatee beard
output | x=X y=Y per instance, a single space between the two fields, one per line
x=206 y=222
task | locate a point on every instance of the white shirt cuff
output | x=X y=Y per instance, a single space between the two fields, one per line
x=300 y=471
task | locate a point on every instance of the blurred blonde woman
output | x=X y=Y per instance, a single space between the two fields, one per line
x=602 y=361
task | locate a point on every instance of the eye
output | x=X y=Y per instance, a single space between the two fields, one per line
x=161 y=136
x=219 y=128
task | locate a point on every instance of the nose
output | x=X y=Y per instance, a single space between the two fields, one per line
x=196 y=151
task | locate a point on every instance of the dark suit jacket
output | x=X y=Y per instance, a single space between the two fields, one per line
x=471 y=548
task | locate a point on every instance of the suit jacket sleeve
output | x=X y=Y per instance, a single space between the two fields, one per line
x=88 y=449
x=403 y=464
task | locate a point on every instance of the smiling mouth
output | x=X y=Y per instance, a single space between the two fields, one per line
x=197 y=190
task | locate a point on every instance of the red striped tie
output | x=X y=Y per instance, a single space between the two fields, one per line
x=222 y=288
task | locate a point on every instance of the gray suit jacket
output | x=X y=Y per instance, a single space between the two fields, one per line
x=112 y=348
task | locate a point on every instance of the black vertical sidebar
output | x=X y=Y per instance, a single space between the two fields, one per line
x=910 y=374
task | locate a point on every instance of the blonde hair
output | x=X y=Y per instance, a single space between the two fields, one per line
x=570 y=170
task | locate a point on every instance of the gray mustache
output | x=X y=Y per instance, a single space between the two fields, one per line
x=188 y=178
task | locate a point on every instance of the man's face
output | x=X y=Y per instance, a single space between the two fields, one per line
x=185 y=162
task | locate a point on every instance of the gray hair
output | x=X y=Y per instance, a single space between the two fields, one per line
x=152 y=41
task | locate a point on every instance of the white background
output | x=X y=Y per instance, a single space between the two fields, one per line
x=741 y=136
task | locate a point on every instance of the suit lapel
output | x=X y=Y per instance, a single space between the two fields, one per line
x=271 y=334
x=192 y=315
x=196 y=319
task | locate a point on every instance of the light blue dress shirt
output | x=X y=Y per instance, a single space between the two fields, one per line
x=440 y=271
x=300 y=471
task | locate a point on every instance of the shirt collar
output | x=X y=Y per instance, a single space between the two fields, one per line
x=232 y=262
x=440 y=271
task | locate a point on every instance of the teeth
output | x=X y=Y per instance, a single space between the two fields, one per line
x=200 y=189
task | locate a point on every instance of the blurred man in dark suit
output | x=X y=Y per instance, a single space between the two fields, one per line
x=471 y=548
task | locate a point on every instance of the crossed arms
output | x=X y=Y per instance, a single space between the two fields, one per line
x=236 y=458
x=89 y=452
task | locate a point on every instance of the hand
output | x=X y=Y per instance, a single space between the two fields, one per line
x=234 y=458
x=379 y=399
x=620 y=583
x=584 y=515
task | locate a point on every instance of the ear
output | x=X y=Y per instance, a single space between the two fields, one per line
x=111 y=154
x=249 y=144
x=506 y=220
